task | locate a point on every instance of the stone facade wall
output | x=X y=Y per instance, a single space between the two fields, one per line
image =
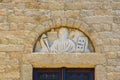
x=23 y=21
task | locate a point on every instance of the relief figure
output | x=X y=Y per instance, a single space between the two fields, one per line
x=63 y=43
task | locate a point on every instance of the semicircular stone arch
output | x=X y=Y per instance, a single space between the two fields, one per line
x=68 y=23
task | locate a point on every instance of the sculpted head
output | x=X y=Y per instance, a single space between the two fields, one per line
x=63 y=33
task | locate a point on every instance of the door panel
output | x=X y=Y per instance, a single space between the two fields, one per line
x=63 y=74
x=46 y=74
x=80 y=74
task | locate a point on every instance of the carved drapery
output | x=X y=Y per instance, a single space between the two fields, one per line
x=63 y=40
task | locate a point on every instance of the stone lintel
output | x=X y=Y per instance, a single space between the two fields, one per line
x=88 y=60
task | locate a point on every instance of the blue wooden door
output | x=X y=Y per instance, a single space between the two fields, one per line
x=63 y=74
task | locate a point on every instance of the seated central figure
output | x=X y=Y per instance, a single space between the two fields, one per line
x=63 y=43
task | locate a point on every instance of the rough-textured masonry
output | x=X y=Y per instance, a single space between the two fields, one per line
x=23 y=21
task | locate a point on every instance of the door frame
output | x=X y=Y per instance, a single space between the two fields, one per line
x=92 y=60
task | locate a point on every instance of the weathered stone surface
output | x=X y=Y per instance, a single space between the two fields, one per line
x=72 y=14
x=3 y=12
x=53 y=58
x=112 y=62
x=113 y=76
x=25 y=69
x=23 y=21
x=87 y=13
x=100 y=72
x=112 y=55
x=56 y=6
x=115 y=5
x=98 y=19
x=12 y=75
x=7 y=48
x=13 y=26
x=4 y=26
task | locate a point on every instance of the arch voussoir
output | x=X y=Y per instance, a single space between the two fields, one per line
x=67 y=22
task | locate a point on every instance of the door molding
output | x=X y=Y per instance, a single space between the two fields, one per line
x=92 y=60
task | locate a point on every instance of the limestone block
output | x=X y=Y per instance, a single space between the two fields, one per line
x=115 y=5
x=104 y=12
x=47 y=0
x=112 y=62
x=13 y=26
x=18 y=12
x=116 y=19
x=118 y=54
x=118 y=61
x=13 y=61
x=2 y=55
x=3 y=12
x=111 y=48
x=117 y=12
x=29 y=26
x=99 y=19
x=11 y=47
x=6 y=1
x=73 y=6
x=115 y=27
x=57 y=22
x=117 y=69
x=2 y=68
x=12 y=67
x=3 y=40
x=88 y=0
x=7 y=5
x=32 y=5
x=14 y=40
x=27 y=72
x=87 y=13
x=4 y=26
x=40 y=29
x=20 y=26
x=25 y=0
x=100 y=72
x=106 y=5
x=56 y=6
x=72 y=13
x=110 y=76
x=12 y=75
x=97 y=27
x=44 y=6
x=2 y=19
x=91 y=5
x=57 y=14
x=33 y=12
x=63 y=21
x=40 y=19
x=20 y=5
x=70 y=22
x=116 y=0
x=107 y=27
x=26 y=19
x=112 y=55
x=110 y=68
x=54 y=58
x=107 y=34
x=113 y=76
x=115 y=41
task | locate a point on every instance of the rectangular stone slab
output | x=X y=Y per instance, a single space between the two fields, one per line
x=64 y=59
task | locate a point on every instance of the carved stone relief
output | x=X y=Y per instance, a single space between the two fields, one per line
x=63 y=40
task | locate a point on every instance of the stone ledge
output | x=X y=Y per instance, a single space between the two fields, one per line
x=64 y=60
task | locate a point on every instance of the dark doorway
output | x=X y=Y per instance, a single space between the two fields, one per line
x=63 y=74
